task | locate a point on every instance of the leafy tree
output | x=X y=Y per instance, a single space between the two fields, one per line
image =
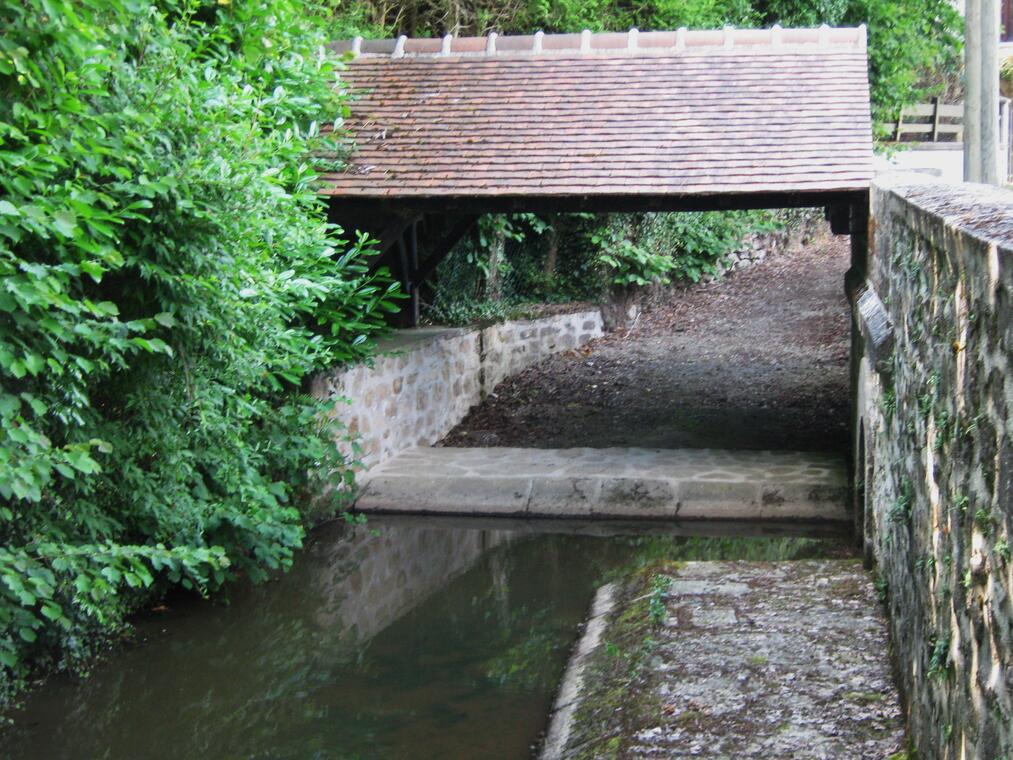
x=914 y=46
x=168 y=282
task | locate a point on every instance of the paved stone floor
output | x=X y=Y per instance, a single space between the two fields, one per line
x=739 y=660
x=619 y=483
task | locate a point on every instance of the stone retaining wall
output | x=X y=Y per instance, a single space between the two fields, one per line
x=757 y=246
x=934 y=457
x=509 y=347
x=422 y=382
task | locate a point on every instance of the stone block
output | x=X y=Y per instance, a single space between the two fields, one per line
x=559 y=497
x=638 y=497
x=502 y=496
x=719 y=500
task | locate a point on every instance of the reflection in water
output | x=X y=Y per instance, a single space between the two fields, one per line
x=400 y=639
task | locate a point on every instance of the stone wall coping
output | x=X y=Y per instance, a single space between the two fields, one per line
x=982 y=212
x=414 y=338
x=583 y=313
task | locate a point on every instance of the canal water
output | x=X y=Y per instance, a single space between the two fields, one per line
x=402 y=638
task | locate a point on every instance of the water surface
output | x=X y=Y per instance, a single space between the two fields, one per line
x=404 y=638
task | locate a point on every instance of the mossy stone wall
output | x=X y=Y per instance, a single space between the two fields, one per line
x=934 y=459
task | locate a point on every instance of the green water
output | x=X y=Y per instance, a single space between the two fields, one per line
x=400 y=639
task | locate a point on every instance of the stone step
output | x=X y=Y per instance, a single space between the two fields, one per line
x=626 y=483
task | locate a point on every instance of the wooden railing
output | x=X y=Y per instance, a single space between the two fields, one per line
x=937 y=122
x=930 y=122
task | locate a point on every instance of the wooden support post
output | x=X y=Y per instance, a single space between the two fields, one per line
x=407 y=261
x=859 y=227
x=840 y=218
x=443 y=247
x=935 y=119
x=414 y=305
x=388 y=240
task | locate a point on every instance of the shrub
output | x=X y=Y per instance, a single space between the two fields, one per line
x=630 y=263
x=169 y=282
x=698 y=243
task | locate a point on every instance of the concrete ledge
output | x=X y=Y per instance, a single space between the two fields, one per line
x=572 y=685
x=523 y=525
x=630 y=484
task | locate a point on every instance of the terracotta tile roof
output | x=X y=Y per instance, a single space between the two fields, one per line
x=659 y=113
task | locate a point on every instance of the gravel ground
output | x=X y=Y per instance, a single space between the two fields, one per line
x=758 y=360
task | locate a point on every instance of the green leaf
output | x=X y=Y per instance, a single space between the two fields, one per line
x=34 y=363
x=65 y=222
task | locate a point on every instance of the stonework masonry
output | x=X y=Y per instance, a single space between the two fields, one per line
x=422 y=382
x=934 y=458
x=756 y=246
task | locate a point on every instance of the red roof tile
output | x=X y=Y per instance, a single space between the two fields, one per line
x=660 y=113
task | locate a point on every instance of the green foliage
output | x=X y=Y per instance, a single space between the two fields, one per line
x=525 y=662
x=599 y=15
x=456 y=312
x=639 y=249
x=67 y=591
x=435 y=17
x=913 y=44
x=900 y=509
x=629 y=263
x=656 y=609
x=699 y=242
x=888 y=402
x=939 y=656
x=1002 y=548
x=595 y=253
x=462 y=293
x=169 y=282
x=805 y=12
x=983 y=519
x=882 y=585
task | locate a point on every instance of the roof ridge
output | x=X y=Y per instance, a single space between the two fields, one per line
x=633 y=42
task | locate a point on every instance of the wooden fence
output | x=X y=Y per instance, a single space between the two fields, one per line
x=930 y=122
x=937 y=122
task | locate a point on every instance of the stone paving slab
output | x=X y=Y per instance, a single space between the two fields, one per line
x=618 y=483
x=746 y=660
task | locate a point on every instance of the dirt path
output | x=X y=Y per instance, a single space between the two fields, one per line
x=756 y=361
